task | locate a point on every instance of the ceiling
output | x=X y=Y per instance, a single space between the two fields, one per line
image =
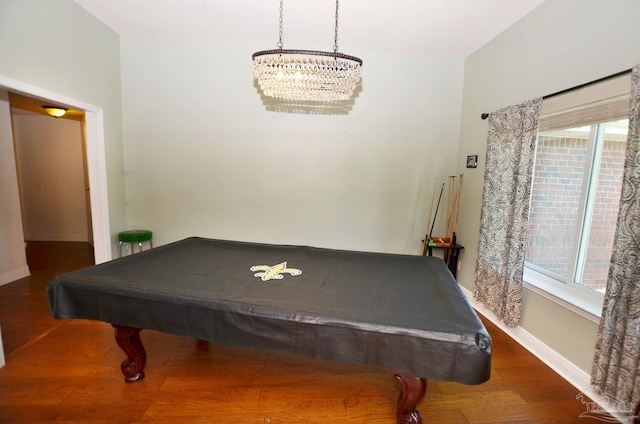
x=435 y=27
x=454 y=28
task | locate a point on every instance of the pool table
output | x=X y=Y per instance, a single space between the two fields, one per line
x=403 y=313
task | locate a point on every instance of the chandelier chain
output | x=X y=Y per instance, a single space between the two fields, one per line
x=280 y=45
x=281 y=25
x=335 y=36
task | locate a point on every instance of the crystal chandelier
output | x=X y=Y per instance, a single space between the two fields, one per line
x=307 y=75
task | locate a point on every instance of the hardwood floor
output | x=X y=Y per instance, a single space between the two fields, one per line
x=68 y=372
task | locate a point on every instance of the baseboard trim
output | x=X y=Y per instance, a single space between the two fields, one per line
x=567 y=369
x=57 y=237
x=14 y=274
x=573 y=374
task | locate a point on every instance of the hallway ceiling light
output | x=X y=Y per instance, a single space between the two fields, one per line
x=55 y=111
x=307 y=75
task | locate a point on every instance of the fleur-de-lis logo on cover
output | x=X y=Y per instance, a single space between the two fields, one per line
x=274 y=272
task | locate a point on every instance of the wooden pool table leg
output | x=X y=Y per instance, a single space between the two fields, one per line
x=412 y=391
x=128 y=338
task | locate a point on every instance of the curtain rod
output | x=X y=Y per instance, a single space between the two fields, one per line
x=577 y=87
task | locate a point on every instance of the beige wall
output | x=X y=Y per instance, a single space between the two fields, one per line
x=561 y=44
x=205 y=157
x=51 y=173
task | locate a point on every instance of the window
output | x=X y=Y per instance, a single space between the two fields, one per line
x=575 y=195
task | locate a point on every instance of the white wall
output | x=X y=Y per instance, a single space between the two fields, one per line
x=51 y=173
x=13 y=260
x=204 y=157
x=561 y=44
x=58 y=47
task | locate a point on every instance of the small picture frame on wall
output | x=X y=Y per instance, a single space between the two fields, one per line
x=472 y=161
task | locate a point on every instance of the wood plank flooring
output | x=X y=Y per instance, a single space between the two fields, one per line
x=68 y=372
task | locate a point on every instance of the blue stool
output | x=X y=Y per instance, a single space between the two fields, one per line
x=135 y=236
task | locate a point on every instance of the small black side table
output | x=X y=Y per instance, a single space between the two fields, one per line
x=450 y=256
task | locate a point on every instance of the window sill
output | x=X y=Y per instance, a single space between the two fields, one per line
x=587 y=305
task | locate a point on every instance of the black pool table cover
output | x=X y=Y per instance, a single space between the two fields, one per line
x=404 y=313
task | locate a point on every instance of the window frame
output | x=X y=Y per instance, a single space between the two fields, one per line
x=581 y=300
x=573 y=296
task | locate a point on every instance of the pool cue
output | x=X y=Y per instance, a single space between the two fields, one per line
x=436 y=212
x=433 y=198
x=450 y=202
x=457 y=205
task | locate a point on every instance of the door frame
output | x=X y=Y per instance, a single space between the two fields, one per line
x=95 y=157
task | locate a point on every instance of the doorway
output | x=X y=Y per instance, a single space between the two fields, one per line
x=93 y=127
x=52 y=172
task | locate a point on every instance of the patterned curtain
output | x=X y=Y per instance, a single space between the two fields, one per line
x=616 y=367
x=511 y=145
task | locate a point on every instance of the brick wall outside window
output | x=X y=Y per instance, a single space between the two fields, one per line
x=555 y=205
